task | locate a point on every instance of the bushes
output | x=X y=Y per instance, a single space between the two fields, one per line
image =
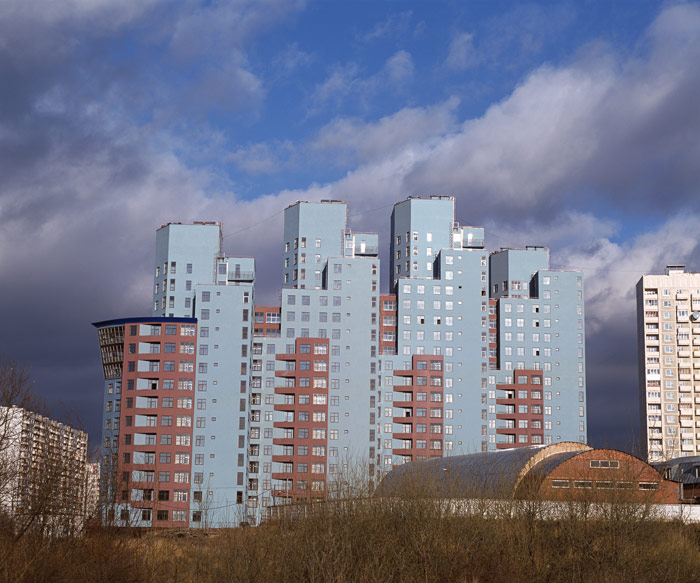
x=382 y=540
x=100 y=556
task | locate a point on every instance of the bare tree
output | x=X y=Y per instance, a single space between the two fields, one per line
x=14 y=392
x=42 y=463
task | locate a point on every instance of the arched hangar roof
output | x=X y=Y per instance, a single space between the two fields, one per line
x=493 y=473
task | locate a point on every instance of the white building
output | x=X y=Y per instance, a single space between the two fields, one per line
x=43 y=472
x=668 y=331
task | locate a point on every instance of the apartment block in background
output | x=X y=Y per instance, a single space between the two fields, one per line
x=668 y=335
x=43 y=473
x=464 y=351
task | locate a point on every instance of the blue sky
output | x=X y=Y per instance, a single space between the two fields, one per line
x=572 y=125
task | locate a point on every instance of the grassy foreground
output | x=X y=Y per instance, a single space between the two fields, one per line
x=417 y=541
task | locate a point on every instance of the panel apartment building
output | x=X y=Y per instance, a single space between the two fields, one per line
x=217 y=407
x=668 y=335
x=44 y=475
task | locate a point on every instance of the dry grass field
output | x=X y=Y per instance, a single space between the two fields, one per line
x=416 y=540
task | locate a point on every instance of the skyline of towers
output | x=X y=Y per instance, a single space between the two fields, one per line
x=467 y=350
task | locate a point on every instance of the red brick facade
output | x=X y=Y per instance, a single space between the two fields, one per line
x=305 y=445
x=607 y=474
x=418 y=408
x=156 y=417
x=523 y=405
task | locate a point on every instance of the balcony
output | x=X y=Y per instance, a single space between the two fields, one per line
x=407 y=418
x=241 y=275
x=403 y=451
x=406 y=428
x=506 y=410
x=283 y=441
x=469 y=243
x=366 y=250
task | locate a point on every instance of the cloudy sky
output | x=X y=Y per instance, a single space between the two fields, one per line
x=572 y=125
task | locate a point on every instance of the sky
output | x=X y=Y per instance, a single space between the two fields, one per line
x=572 y=125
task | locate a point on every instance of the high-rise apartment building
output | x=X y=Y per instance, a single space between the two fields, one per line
x=251 y=405
x=44 y=476
x=668 y=335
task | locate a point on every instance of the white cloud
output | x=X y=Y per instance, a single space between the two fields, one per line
x=396 y=25
x=212 y=28
x=226 y=86
x=350 y=139
x=621 y=131
x=526 y=147
x=461 y=54
x=399 y=68
x=336 y=86
x=106 y=14
x=263 y=158
x=612 y=269
x=563 y=229
x=292 y=59
x=346 y=80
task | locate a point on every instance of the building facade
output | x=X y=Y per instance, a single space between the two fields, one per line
x=43 y=473
x=668 y=336
x=465 y=350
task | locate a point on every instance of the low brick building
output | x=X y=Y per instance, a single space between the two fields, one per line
x=685 y=473
x=560 y=472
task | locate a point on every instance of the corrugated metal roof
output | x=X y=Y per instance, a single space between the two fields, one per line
x=682 y=469
x=494 y=473
x=543 y=468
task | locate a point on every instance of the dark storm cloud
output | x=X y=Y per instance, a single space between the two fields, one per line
x=83 y=187
x=83 y=184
